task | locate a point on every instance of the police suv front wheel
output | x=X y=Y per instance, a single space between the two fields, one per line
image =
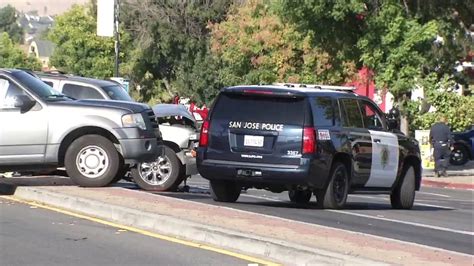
x=403 y=196
x=335 y=194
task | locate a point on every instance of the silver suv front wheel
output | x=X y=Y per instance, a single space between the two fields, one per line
x=92 y=161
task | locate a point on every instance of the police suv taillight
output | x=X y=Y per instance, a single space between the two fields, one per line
x=204 y=138
x=309 y=140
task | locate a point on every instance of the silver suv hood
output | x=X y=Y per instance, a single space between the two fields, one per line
x=132 y=107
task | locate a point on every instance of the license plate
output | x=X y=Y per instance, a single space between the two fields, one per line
x=253 y=141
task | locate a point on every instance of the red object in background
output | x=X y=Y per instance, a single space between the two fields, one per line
x=365 y=85
x=203 y=112
x=176 y=99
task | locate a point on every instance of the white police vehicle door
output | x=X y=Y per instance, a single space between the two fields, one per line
x=385 y=149
x=385 y=153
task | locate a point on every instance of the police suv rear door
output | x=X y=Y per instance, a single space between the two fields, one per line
x=258 y=127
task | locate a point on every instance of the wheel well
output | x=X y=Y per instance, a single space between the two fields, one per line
x=416 y=163
x=346 y=160
x=77 y=133
x=172 y=145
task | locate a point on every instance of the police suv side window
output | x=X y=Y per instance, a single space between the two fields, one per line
x=352 y=116
x=81 y=92
x=371 y=116
x=323 y=111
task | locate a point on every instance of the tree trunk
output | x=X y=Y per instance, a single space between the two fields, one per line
x=404 y=125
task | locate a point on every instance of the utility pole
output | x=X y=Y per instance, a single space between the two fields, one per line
x=117 y=37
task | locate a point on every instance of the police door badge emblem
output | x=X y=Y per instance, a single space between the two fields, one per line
x=385 y=156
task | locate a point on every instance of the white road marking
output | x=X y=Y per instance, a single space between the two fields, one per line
x=405 y=222
x=382 y=218
x=416 y=203
x=434 y=194
x=264 y=198
x=353 y=232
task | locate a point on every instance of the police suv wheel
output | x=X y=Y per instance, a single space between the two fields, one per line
x=164 y=174
x=225 y=191
x=92 y=161
x=299 y=196
x=403 y=196
x=335 y=195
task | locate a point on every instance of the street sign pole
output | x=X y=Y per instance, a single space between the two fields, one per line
x=117 y=38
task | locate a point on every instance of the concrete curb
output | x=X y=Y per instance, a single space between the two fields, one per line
x=272 y=249
x=442 y=184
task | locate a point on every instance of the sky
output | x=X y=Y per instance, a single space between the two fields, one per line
x=44 y=7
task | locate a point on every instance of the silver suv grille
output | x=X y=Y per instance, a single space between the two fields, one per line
x=151 y=116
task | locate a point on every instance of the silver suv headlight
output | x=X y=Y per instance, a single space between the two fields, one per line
x=134 y=120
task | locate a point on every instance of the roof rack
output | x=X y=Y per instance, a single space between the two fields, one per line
x=317 y=86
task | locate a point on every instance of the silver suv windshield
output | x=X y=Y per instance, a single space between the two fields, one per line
x=38 y=87
x=116 y=92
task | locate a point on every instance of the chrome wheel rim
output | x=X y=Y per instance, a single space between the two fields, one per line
x=157 y=172
x=92 y=161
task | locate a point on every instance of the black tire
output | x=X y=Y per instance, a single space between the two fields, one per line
x=403 y=196
x=123 y=170
x=300 y=196
x=459 y=156
x=105 y=156
x=166 y=173
x=225 y=191
x=335 y=194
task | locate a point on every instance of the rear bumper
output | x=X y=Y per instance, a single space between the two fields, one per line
x=252 y=173
x=141 y=150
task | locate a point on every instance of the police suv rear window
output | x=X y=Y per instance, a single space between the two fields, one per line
x=277 y=110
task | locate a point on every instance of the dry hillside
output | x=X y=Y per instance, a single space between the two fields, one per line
x=44 y=7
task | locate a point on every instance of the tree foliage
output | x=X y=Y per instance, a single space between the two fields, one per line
x=456 y=108
x=256 y=46
x=171 y=46
x=11 y=55
x=8 y=24
x=78 y=49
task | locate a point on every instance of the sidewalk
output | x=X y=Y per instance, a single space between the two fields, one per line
x=459 y=177
x=286 y=241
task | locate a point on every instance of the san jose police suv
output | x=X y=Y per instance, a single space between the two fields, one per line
x=306 y=139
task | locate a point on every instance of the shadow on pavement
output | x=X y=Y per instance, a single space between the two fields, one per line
x=8 y=185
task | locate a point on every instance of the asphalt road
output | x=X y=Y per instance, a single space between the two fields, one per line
x=441 y=218
x=35 y=236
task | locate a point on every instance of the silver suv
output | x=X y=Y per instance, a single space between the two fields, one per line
x=95 y=140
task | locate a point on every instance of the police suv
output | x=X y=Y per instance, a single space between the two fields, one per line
x=306 y=139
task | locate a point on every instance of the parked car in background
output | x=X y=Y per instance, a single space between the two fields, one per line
x=85 y=88
x=177 y=125
x=463 y=147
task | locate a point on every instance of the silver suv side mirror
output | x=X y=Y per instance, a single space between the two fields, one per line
x=24 y=102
